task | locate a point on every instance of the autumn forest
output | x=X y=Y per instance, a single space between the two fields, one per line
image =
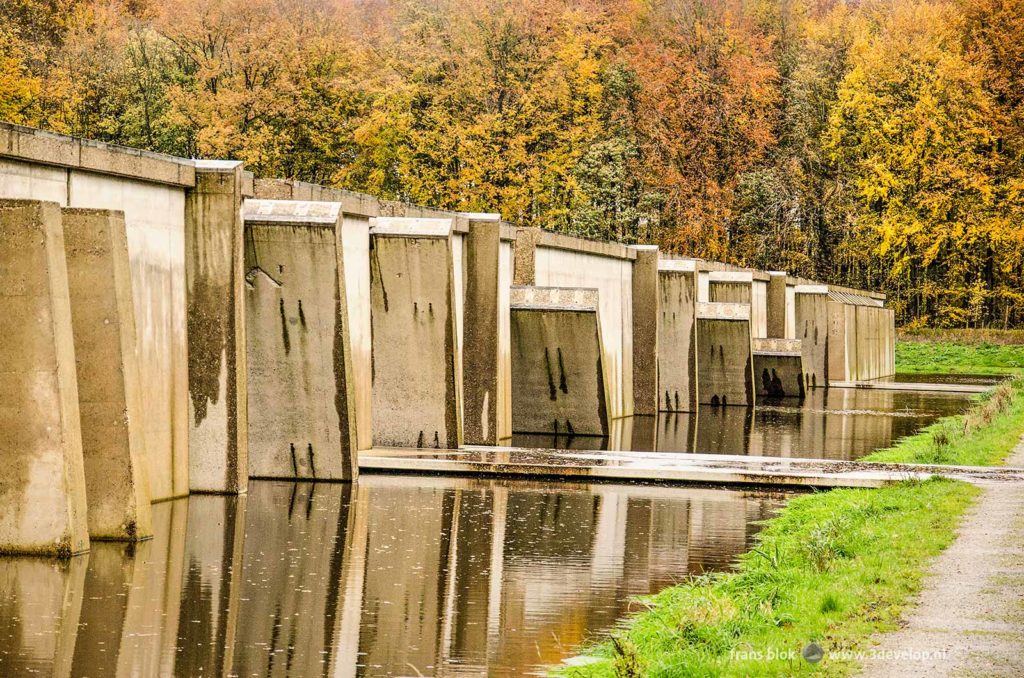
x=877 y=143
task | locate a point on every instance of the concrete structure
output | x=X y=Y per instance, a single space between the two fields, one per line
x=778 y=368
x=646 y=292
x=486 y=368
x=677 y=335
x=301 y=414
x=552 y=260
x=811 y=320
x=42 y=487
x=558 y=382
x=725 y=372
x=415 y=300
x=214 y=271
x=861 y=338
x=781 y=311
x=150 y=190
x=109 y=390
x=742 y=287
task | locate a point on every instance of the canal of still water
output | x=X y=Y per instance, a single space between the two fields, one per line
x=417 y=576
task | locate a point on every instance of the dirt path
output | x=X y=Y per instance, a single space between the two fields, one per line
x=969 y=620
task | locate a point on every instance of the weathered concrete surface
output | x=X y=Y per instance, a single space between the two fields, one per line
x=525 y=252
x=646 y=293
x=109 y=389
x=562 y=261
x=42 y=487
x=677 y=336
x=778 y=368
x=778 y=306
x=154 y=210
x=214 y=270
x=506 y=267
x=969 y=618
x=558 y=383
x=725 y=372
x=415 y=348
x=480 y=355
x=742 y=287
x=812 y=330
x=301 y=419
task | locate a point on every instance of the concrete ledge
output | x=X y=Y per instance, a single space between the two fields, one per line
x=554 y=298
x=403 y=227
x=26 y=143
x=776 y=346
x=678 y=265
x=668 y=467
x=711 y=310
x=909 y=386
x=295 y=212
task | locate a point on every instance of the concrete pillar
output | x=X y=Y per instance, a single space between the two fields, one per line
x=42 y=486
x=777 y=305
x=812 y=331
x=301 y=416
x=109 y=385
x=218 y=450
x=645 y=330
x=725 y=362
x=525 y=269
x=677 y=336
x=558 y=383
x=480 y=351
x=842 y=352
x=778 y=368
x=416 y=363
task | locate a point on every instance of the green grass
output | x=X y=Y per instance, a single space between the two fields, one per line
x=958 y=357
x=981 y=437
x=833 y=568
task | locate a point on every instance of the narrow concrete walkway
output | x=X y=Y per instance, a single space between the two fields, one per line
x=969 y=619
x=667 y=467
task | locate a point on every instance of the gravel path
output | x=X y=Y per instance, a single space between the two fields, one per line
x=969 y=618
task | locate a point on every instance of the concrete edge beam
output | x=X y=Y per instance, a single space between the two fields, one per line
x=713 y=310
x=554 y=298
x=33 y=145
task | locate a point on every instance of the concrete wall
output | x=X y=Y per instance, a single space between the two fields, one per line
x=416 y=359
x=724 y=359
x=778 y=368
x=42 y=487
x=109 y=389
x=609 y=270
x=218 y=397
x=812 y=331
x=860 y=342
x=301 y=414
x=557 y=373
x=646 y=292
x=150 y=190
x=741 y=287
x=677 y=339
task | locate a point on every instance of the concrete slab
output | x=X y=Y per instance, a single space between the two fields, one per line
x=42 y=487
x=218 y=449
x=666 y=467
x=725 y=366
x=811 y=308
x=109 y=385
x=301 y=415
x=416 y=363
x=558 y=382
x=677 y=336
x=778 y=368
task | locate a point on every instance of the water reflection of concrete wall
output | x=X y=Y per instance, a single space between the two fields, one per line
x=393 y=576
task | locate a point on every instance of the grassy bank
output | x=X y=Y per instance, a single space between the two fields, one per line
x=832 y=568
x=961 y=351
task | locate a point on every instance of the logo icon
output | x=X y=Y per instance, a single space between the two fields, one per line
x=812 y=653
